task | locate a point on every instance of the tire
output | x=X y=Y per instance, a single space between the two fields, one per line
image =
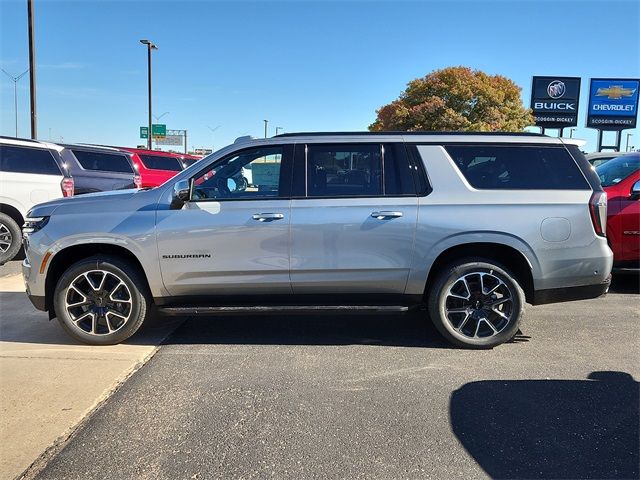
x=109 y=314
x=484 y=320
x=10 y=238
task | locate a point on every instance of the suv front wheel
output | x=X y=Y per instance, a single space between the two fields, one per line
x=476 y=303
x=100 y=300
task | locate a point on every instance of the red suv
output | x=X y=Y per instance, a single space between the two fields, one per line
x=620 y=178
x=156 y=167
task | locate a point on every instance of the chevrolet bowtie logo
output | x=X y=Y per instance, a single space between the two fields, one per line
x=615 y=92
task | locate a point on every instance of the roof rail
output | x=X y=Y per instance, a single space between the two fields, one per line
x=313 y=134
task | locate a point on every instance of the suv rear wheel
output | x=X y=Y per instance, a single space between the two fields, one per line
x=10 y=236
x=476 y=303
x=98 y=301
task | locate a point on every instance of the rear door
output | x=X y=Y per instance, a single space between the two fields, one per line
x=353 y=218
x=233 y=236
x=28 y=176
x=100 y=171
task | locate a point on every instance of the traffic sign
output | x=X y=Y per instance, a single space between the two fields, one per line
x=144 y=132
x=158 y=130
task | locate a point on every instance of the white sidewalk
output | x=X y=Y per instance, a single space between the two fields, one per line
x=49 y=382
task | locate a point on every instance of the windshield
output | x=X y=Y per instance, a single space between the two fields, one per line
x=616 y=170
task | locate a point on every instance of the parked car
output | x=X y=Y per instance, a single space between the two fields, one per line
x=100 y=169
x=31 y=172
x=620 y=178
x=155 y=167
x=469 y=227
x=598 y=158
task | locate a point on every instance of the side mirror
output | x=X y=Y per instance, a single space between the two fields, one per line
x=635 y=190
x=181 y=194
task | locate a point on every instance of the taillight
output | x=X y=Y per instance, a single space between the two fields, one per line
x=137 y=180
x=67 y=186
x=598 y=211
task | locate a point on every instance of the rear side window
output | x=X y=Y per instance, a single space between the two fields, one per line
x=27 y=160
x=509 y=167
x=344 y=170
x=102 y=161
x=158 y=162
x=398 y=178
x=618 y=169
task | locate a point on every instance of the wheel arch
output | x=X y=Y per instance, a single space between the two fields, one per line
x=506 y=255
x=63 y=259
x=13 y=212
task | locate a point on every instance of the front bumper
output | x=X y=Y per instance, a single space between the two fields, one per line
x=569 y=294
x=38 y=301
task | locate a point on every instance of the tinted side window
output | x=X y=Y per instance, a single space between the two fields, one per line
x=510 y=167
x=158 y=162
x=251 y=174
x=344 y=170
x=618 y=169
x=27 y=160
x=398 y=179
x=107 y=162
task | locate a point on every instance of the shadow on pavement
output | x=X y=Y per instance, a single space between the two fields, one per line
x=551 y=428
x=406 y=330
x=625 y=283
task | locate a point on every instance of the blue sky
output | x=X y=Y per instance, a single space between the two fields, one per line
x=303 y=65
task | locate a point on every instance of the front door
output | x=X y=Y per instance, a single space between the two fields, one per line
x=232 y=237
x=353 y=229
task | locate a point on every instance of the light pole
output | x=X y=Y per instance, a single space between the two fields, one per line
x=627 y=147
x=571 y=130
x=150 y=46
x=162 y=115
x=213 y=130
x=15 y=92
x=266 y=122
x=32 y=70
x=278 y=128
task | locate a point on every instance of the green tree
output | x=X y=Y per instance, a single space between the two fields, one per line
x=456 y=99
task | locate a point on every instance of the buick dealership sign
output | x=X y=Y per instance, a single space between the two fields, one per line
x=613 y=103
x=554 y=101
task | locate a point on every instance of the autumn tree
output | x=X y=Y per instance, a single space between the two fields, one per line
x=456 y=99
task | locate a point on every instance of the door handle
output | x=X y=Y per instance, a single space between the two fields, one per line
x=267 y=217
x=385 y=214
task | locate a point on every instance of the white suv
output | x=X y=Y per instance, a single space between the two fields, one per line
x=31 y=172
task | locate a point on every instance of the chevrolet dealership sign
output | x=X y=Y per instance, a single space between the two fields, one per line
x=613 y=103
x=555 y=100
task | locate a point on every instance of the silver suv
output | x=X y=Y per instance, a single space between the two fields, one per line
x=469 y=226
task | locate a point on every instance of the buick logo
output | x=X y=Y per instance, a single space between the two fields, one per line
x=556 y=89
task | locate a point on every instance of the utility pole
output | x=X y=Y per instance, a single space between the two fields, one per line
x=627 y=147
x=15 y=92
x=150 y=46
x=266 y=122
x=32 y=71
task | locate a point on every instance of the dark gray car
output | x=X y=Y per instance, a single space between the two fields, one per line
x=99 y=169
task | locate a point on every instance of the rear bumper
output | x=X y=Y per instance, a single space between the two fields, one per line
x=569 y=294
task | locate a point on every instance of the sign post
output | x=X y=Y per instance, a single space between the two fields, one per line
x=554 y=101
x=613 y=106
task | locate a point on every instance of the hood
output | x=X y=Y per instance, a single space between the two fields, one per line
x=90 y=199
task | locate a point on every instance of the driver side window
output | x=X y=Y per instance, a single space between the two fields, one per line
x=249 y=174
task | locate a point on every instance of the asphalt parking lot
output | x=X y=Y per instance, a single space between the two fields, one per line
x=374 y=397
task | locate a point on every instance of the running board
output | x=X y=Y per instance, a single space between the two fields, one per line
x=283 y=309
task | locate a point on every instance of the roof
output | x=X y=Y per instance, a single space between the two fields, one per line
x=28 y=142
x=352 y=134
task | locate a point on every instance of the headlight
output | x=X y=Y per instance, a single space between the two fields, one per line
x=33 y=224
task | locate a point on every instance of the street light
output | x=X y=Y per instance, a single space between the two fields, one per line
x=32 y=70
x=150 y=46
x=627 y=147
x=15 y=92
x=158 y=118
x=266 y=122
x=278 y=128
x=212 y=132
x=571 y=130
